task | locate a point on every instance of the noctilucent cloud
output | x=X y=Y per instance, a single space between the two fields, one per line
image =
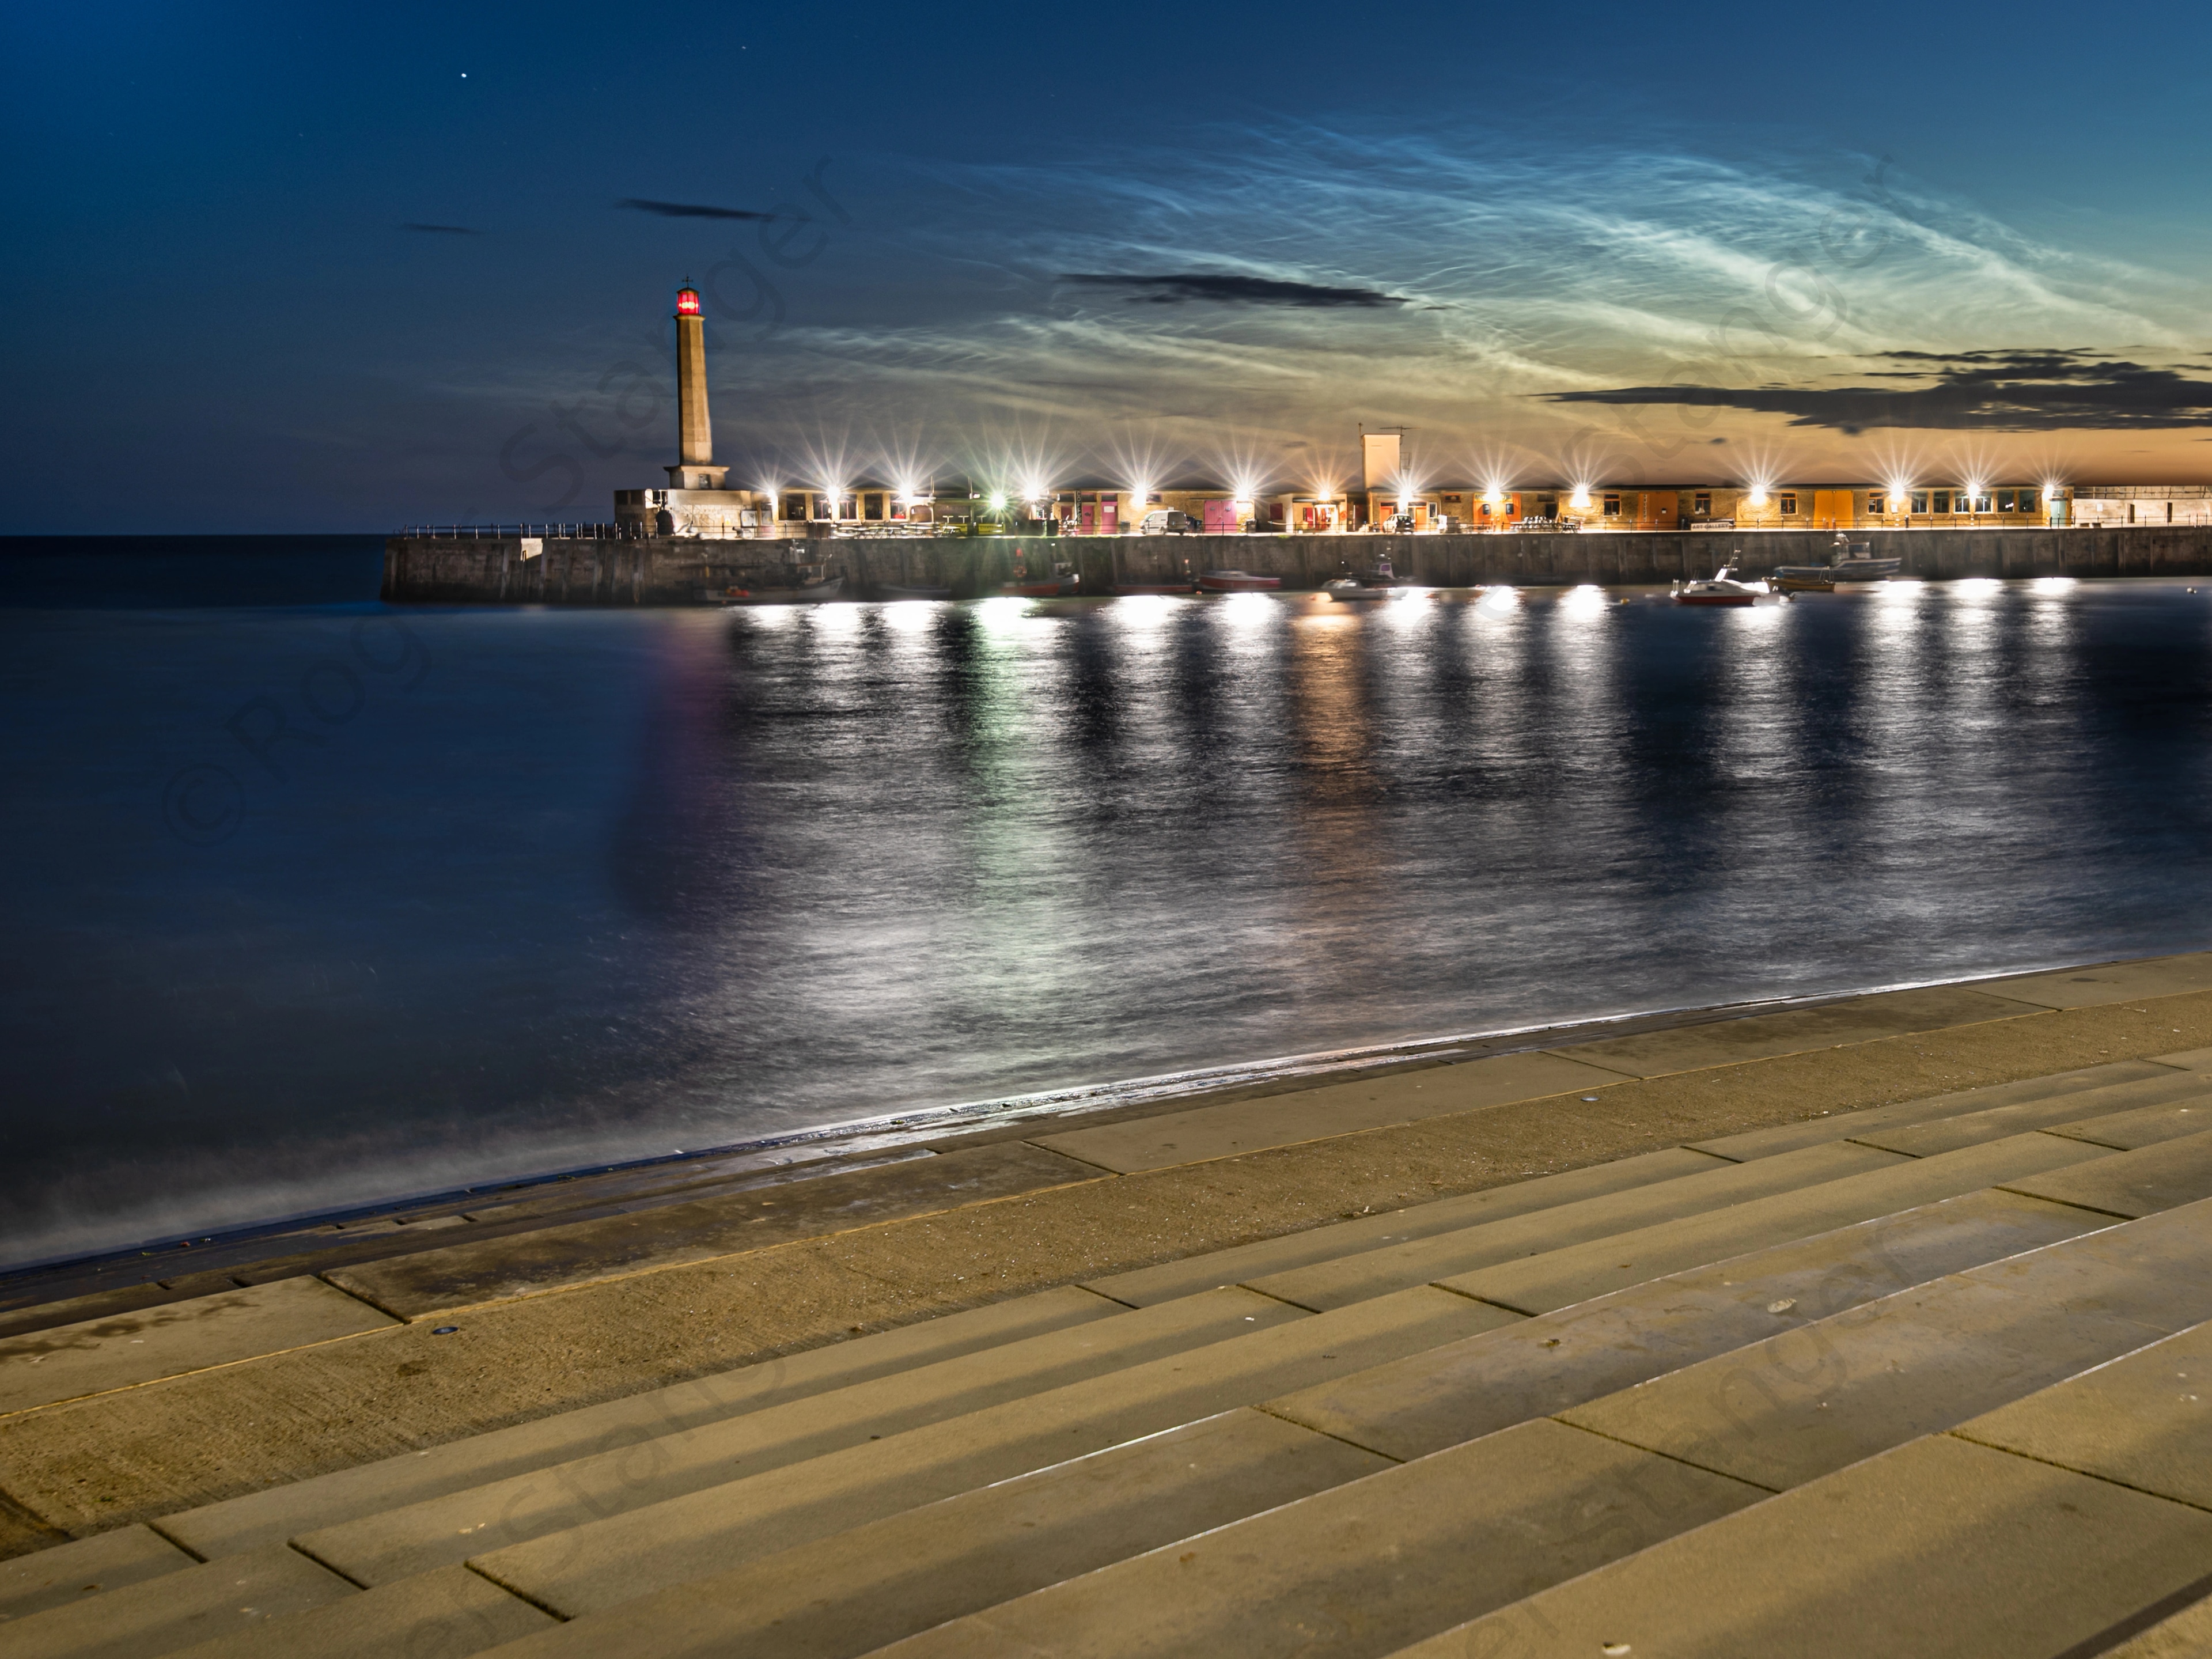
x=275 y=269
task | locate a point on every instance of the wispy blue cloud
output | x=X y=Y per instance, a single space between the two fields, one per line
x=1456 y=285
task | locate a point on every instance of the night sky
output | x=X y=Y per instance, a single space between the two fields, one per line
x=294 y=269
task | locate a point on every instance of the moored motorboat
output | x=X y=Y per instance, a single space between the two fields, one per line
x=1721 y=588
x=1379 y=583
x=1236 y=581
x=1061 y=585
x=1852 y=567
x=1353 y=590
x=804 y=591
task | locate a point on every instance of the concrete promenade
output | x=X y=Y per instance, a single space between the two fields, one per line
x=1877 y=1325
x=683 y=571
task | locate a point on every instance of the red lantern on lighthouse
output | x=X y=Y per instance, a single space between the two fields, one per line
x=687 y=301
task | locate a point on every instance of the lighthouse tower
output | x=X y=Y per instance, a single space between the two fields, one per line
x=698 y=501
x=695 y=429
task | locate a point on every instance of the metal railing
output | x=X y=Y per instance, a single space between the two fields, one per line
x=2116 y=521
x=781 y=529
x=497 y=532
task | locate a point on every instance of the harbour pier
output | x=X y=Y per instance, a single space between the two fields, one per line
x=602 y=566
x=701 y=538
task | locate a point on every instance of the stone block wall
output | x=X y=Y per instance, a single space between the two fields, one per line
x=679 y=571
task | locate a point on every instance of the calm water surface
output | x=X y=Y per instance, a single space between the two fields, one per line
x=312 y=902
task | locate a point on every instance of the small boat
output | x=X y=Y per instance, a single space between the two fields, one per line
x=1721 y=588
x=892 y=592
x=1236 y=581
x=1852 y=566
x=1130 y=590
x=1351 y=590
x=1062 y=584
x=1377 y=584
x=804 y=591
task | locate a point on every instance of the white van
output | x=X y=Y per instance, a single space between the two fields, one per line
x=1166 y=521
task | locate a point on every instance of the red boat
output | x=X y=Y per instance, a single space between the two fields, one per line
x=1236 y=581
x=1061 y=586
x=803 y=589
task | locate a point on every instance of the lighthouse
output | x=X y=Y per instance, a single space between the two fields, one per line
x=695 y=429
x=698 y=501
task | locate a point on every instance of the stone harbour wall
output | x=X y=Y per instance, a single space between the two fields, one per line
x=686 y=571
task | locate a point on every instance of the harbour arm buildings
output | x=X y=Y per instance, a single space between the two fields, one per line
x=1392 y=490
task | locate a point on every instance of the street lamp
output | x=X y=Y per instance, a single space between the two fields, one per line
x=1325 y=491
x=1140 y=499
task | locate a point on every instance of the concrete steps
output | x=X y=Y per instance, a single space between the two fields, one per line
x=929 y=1366
x=1939 y=1548
x=70 y=1362
x=1393 y=1559
x=213 y=1601
x=1345 y=1280
x=2095 y=1091
x=1531 y=1269
x=2074 y=1519
x=873 y=1581
x=593 y=1490
x=857 y=1590
x=1804 y=1404
x=89 y=1566
x=39 y=1299
x=443 y=1614
x=1546 y=1364
x=693 y=1507
x=1426 y=1382
x=1249 y=1262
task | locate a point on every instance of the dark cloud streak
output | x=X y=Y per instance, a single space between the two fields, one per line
x=2041 y=390
x=1182 y=287
x=687 y=209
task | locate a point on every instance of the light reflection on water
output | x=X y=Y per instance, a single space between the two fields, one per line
x=609 y=884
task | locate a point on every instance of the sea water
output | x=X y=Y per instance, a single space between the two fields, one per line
x=313 y=902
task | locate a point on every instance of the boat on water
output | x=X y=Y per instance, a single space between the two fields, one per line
x=893 y=592
x=1236 y=581
x=1355 y=590
x=1720 y=588
x=799 y=592
x=1064 y=582
x=1852 y=566
x=1379 y=583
